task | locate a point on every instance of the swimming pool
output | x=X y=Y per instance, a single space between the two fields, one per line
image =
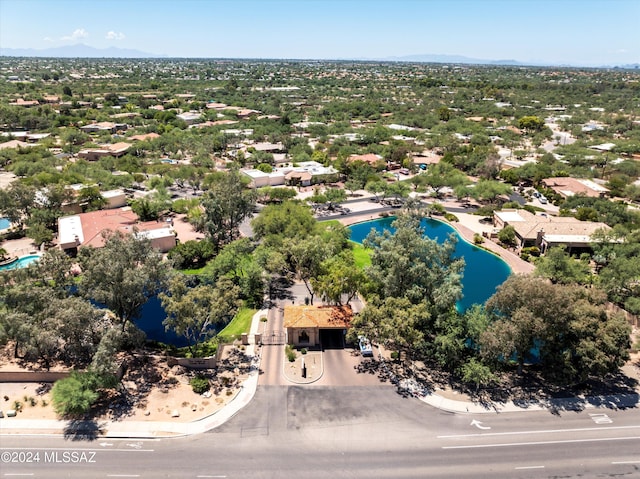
x=483 y=271
x=21 y=262
x=4 y=223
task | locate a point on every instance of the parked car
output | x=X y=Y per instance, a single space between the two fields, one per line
x=543 y=200
x=365 y=346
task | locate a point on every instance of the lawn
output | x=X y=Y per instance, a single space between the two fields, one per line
x=238 y=325
x=361 y=254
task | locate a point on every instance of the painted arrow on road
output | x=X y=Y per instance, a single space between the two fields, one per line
x=106 y=444
x=479 y=425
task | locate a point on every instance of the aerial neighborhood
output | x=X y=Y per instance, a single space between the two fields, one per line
x=474 y=223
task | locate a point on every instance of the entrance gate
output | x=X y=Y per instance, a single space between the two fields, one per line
x=275 y=337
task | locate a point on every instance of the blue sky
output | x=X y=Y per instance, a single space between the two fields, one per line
x=586 y=32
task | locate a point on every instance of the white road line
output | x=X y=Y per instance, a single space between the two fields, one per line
x=548 y=431
x=18 y=474
x=528 y=467
x=123 y=475
x=626 y=462
x=66 y=449
x=211 y=476
x=540 y=443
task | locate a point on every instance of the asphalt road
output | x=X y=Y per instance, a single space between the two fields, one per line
x=359 y=431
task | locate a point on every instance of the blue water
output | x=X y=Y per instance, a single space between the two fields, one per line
x=4 y=223
x=150 y=322
x=483 y=271
x=21 y=262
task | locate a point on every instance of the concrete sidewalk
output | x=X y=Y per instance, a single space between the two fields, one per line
x=148 y=429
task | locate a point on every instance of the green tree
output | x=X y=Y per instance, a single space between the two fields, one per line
x=40 y=234
x=568 y=325
x=476 y=373
x=199 y=312
x=339 y=278
x=74 y=396
x=507 y=235
x=407 y=264
x=443 y=174
x=123 y=274
x=226 y=205
x=290 y=219
x=558 y=266
x=531 y=123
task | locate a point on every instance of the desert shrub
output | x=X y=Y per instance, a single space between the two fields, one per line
x=451 y=217
x=199 y=384
x=291 y=354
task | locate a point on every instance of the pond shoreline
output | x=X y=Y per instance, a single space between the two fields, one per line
x=517 y=265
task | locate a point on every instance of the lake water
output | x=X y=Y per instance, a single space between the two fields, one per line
x=483 y=271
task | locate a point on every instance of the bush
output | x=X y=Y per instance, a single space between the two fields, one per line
x=303 y=351
x=199 y=384
x=477 y=238
x=74 y=396
x=291 y=354
x=507 y=235
x=451 y=217
x=531 y=250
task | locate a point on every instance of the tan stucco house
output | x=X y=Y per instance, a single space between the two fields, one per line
x=309 y=325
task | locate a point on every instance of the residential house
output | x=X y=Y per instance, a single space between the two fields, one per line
x=144 y=137
x=545 y=231
x=116 y=150
x=190 y=117
x=86 y=229
x=14 y=144
x=108 y=126
x=566 y=187
x=25 y=103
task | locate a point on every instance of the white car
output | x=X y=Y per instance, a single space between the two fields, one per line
x=365 y=346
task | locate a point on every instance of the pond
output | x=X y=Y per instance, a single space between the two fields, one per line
x=483 y=271
x=150 y=322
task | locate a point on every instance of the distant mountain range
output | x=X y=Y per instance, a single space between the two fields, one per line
x=85 y=51
x=77 y=51
x=449 y=59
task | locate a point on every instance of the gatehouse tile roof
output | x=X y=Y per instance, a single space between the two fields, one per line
x=324 y=317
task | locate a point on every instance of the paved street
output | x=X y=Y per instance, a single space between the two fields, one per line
x=343 y=431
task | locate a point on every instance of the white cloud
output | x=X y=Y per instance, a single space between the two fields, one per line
x=48 y=39
x=111 y=35
x=76 y=35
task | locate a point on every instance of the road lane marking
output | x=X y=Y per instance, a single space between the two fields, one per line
x=123 y=475
x=540 y=443
x=601 y=418
x=19 y=474
x=66 y=449
x=211 y=476
x=548 y=431
x=528 y=467
x=479 y=425
x=626 y=462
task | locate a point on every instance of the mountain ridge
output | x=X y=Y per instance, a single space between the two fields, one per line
x=81 y=50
